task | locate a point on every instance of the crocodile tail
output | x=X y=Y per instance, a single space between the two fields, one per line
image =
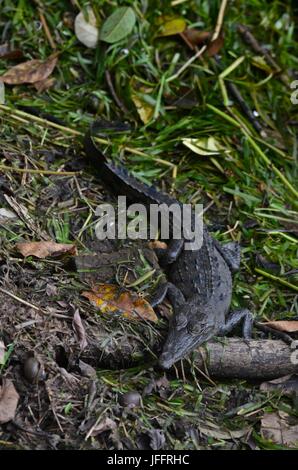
x=95 y=155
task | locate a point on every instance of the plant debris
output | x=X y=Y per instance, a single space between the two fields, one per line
x=32 y=71
x=116 y=301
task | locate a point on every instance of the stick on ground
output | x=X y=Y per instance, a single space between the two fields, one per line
x=247 y=359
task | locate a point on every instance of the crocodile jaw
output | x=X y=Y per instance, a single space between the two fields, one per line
x=180 y=343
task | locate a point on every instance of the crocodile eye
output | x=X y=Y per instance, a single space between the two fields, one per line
x=194 y=328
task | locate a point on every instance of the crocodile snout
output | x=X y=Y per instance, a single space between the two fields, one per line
x=166 y=360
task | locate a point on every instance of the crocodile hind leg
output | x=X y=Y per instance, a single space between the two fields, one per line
x=234 y=318
x=231 y=253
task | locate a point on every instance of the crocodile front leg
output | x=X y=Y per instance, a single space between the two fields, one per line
x=169 y=255
x=234 y=318
x=231 y=253
x=167 y=288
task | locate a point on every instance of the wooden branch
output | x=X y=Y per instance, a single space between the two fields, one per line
x=246 y=359
x=259 y=49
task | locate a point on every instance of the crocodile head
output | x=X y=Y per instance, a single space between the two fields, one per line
x=189 y=328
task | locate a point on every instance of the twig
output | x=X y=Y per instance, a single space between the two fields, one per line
x=49 y=392
x=15 y=297
x=22 y=213
x=34 y=307
x=236 y=95
x=37 y=172
x=256 y=47
x=220 y=19
x=277 y=279
x=113 y=92
x=46 y=29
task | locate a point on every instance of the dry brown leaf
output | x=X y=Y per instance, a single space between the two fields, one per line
x=288 y=326
x=44 y=85
x=215 y=46
x=6 y=52
x=106 y=424
x=9 y=398
x=194 y=38
x=44 y=249
x=113 y=300
x=79 y=330
x=154 y=244
x=276 y=427
x=31 y=71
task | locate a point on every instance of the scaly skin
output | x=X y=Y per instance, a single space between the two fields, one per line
x=205 y=282
x=200 y=286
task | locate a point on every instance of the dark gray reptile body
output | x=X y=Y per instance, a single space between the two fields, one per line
x=200 y=286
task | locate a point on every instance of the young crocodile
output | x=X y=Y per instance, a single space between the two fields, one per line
x=200 y=281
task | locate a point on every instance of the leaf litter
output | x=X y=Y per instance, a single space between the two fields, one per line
x=32 y=71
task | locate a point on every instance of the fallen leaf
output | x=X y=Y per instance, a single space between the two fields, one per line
x=2 y=353
x=276 y=427
x=157 y=244
x=31 y=71
x=51 y=290
x=46 y=248
x=86 y=29
x=119 y=25
x=171 y=26
x=214 y=47
x=44 y=85
x=203 y=146
x=157 y=439
x=6 y=214
x=139 y=94
x=71 y=379
x=9 y=398
x=79 y=330
x=211 y=430
x=288 y=326
x=161 y=384
x=194 y=38
x=86 y=370
x=259 y=62
x=106 y=424
x=287 y=385
x=113 y=300
x=6 y=52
